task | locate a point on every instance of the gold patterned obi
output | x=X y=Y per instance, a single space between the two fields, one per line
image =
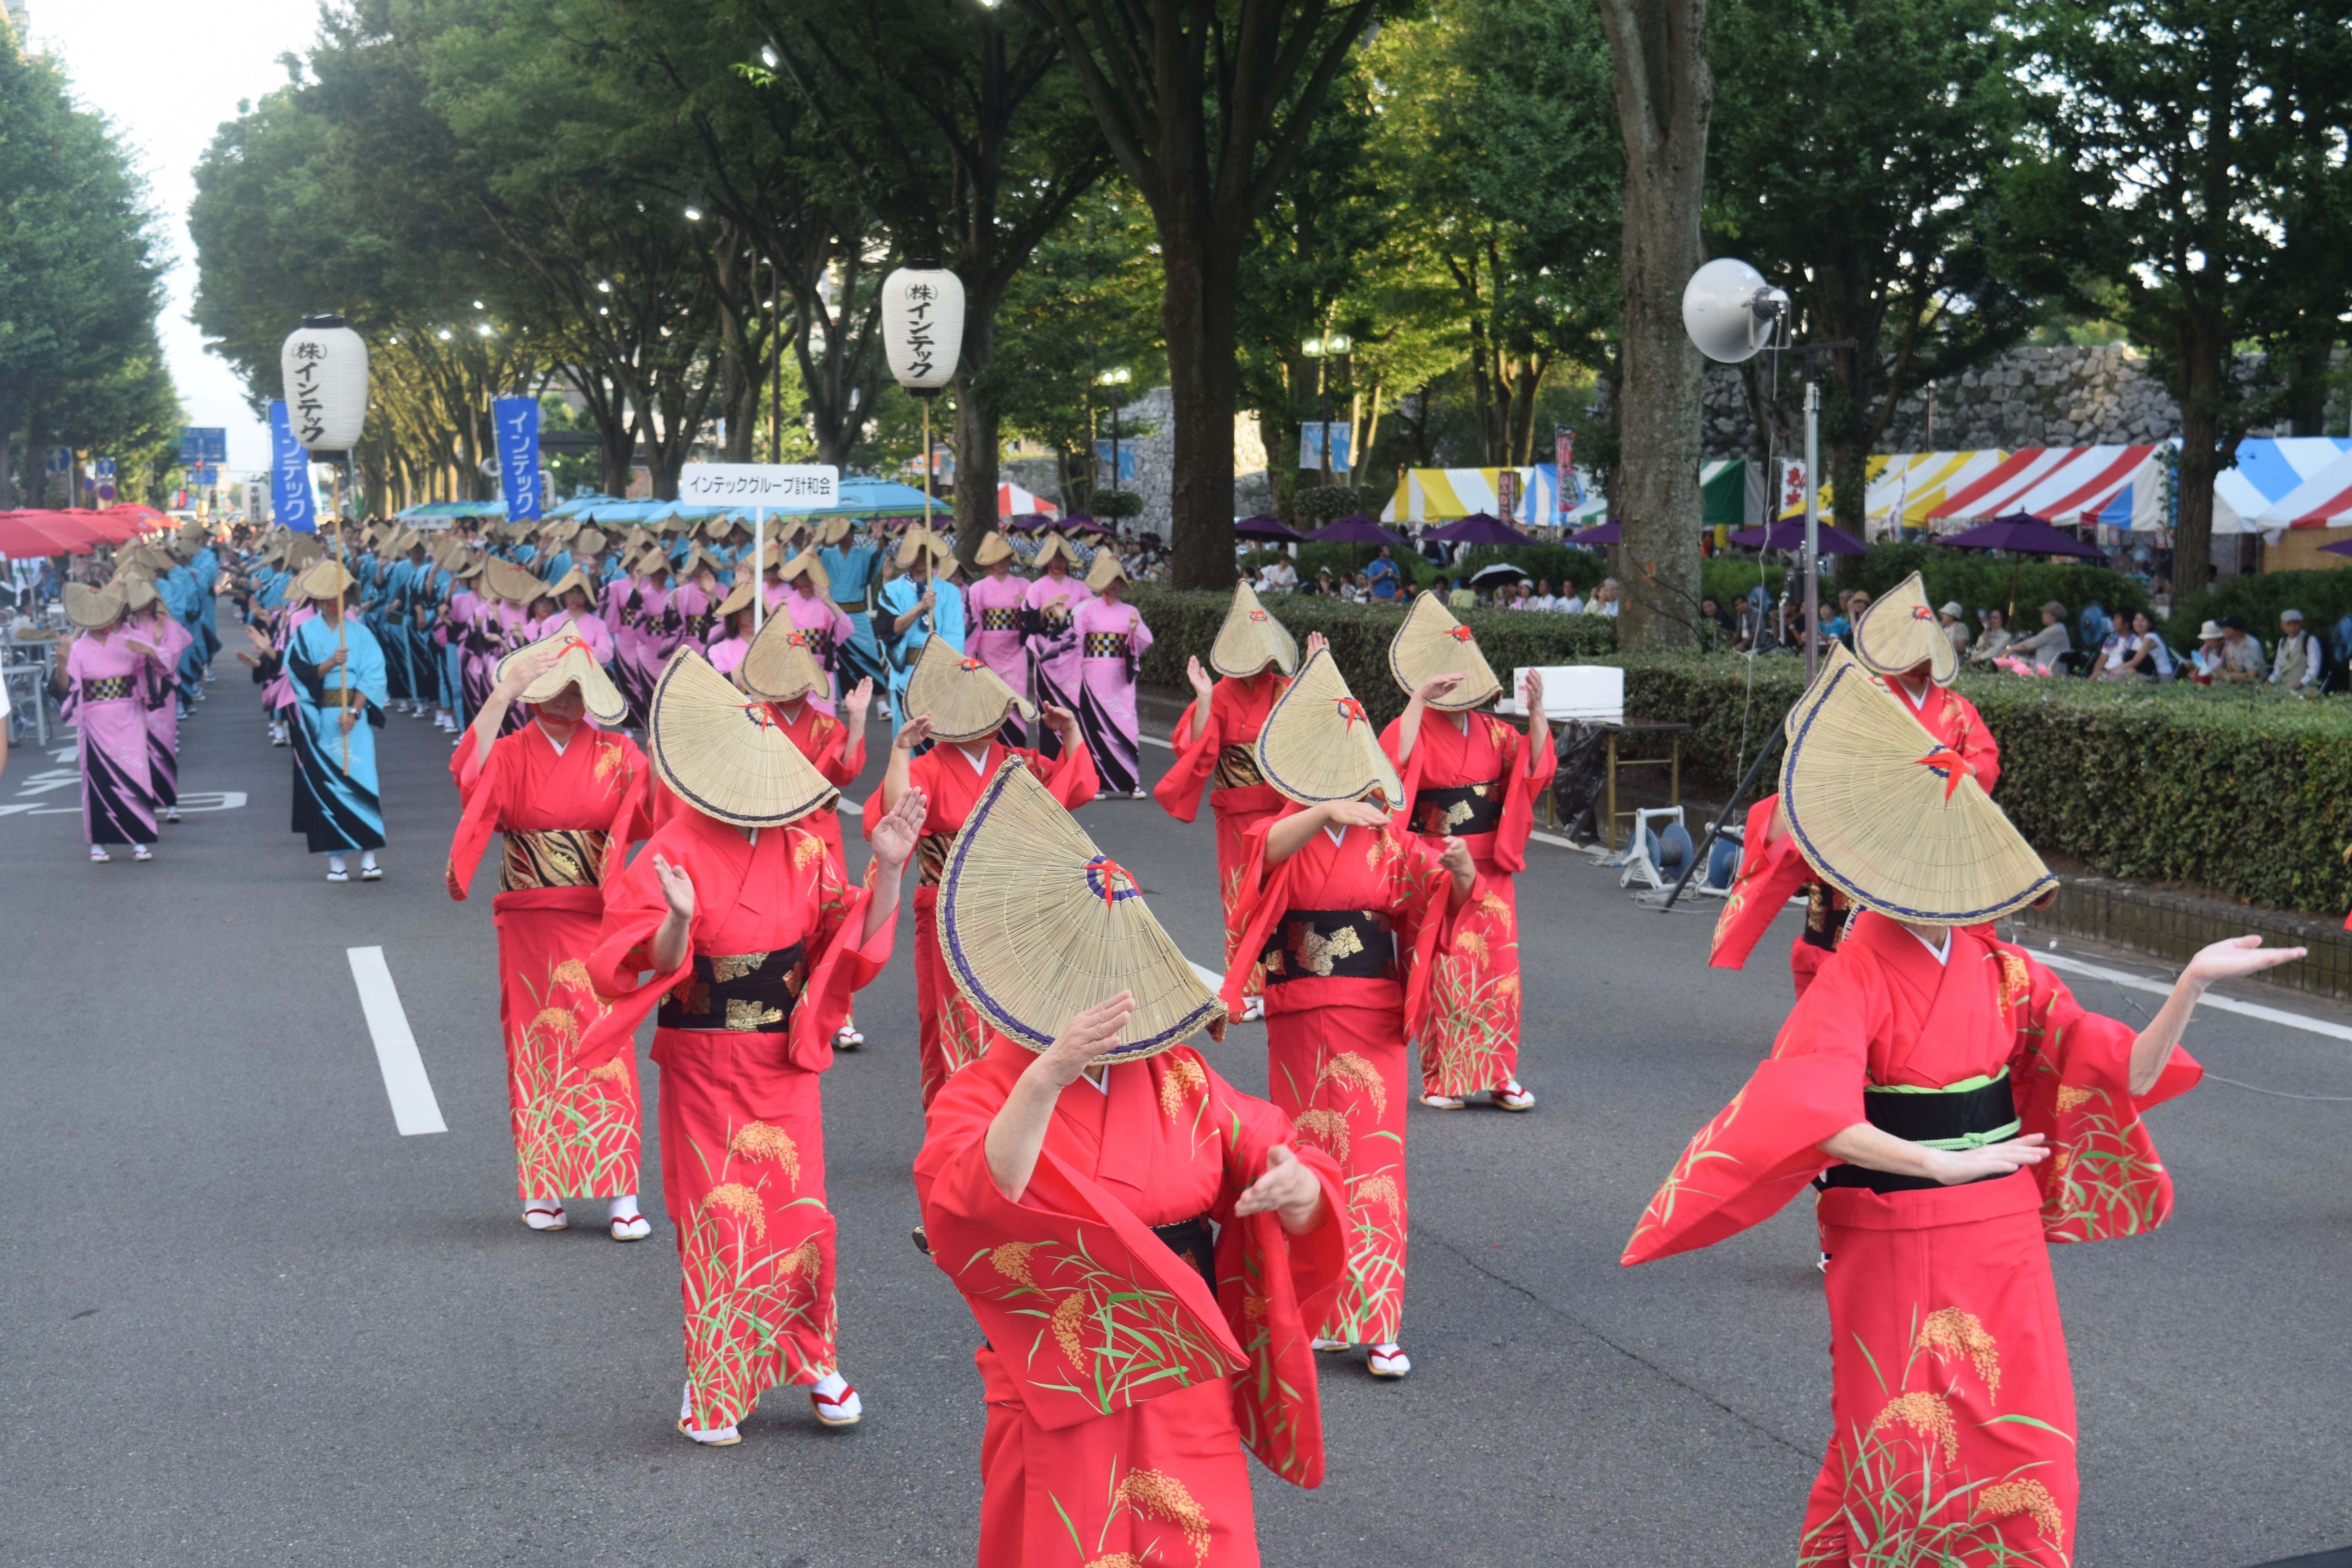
x=1000 y=620
x=109 y=687
x=1324 y=944
x=558 y=858
x=747 y=993
x=1104 y=645
x=1458 y=810
x=1236 y=769
x=1827 y=914
x=931 y=858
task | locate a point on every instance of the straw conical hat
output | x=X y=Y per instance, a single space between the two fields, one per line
x=1319 y=743
x=737 y=598
x=921 y=538
x=1899 y=631
x=303 y=551
x=464 y=565
x=327 y=580
x=964 y=699
x=575 y=578
x=834 y=531
x=724 y=752
x=993 y=550
x=1892 y=817
x=806 y=564
x=1050 y=545
x=1432 y=643
x=509 y=581
x=695 y=559
x=1037 y=924
x=605 y=703
x=1105 y=567
x=1251 y=639
x=588 y=542
x=133 y=589
x=780 y=666
x=91 y=608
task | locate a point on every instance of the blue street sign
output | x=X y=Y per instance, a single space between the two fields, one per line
x=61 y=460
x=203 y=474
x=106 y=468
x=203 y=444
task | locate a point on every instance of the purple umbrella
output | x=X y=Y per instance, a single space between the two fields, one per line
x=1790 y=535
x=1355 y=530
x=2341 y=547
x=1479 y=528
x=1079 y=522
x=1599 y=534
x=1264 y=528
x=2024 y=533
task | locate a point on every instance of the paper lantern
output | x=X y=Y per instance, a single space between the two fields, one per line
x=923 y=326
x=326 y=369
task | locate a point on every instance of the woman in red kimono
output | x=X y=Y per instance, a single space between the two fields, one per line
x=781 y=668
x=959 y=703
x=1069 y=1181
x=1900 y=643
x=570 y=798
x=1469 y=775
x=1345 y=915
x=756 y=945
x=1216 y=742
x=1957 y=1107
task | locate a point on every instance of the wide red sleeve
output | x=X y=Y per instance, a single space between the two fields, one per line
x=1973 y=738
x=1179 y=789
x=1258 y=902
x=2070 y=1075
x=1069 y=778
x=1526 y=773
x=1089 y=1312
x=839 y=964
x=1408 y=768
x=1421 y=905
x=1762 y=1148
x=1275 y=1288
x=1769 y=875
x=481 y=787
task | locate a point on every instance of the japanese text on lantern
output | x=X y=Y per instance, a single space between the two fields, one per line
x=308 y=404
x=919 y=342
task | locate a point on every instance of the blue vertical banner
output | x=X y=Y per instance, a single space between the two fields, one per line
x=516 y=420
x=290 y=469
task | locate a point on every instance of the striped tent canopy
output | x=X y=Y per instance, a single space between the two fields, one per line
x=1446 y=495
x=2279 y=481
x=1012 y=501
x=2120 y=485
x=1907 y=488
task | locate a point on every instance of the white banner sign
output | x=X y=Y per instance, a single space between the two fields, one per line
x=779 y=487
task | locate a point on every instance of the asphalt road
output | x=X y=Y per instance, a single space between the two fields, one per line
x=245 y=1322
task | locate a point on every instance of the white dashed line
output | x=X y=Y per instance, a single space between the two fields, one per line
x=414 y=1108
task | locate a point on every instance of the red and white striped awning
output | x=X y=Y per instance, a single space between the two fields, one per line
x=1012 y=501
x=2323 y=501
x=2064 y=485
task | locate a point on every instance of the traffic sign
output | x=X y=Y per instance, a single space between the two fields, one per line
x=106 y=492
x=61 y=460
x=203 y=444
x=202 y=476
x=105 y=468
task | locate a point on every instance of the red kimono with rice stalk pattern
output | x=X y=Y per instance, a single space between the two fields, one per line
x=1335 y=1043
x=569 y=818
x=1225 y=756
x=1953 y=1409
x=1120 y=1389
x=1471 y=1040
x=742 y=1122
x=1770 y=874
x=951 y=1035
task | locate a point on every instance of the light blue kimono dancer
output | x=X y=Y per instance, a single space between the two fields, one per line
x=851 y=567
x=897 y=597
x=337 y=807
x=205 y=566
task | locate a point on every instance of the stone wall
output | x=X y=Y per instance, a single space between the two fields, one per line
x=1146 y=430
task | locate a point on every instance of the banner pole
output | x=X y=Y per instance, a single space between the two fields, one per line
x=759 y=572
x=343 y=670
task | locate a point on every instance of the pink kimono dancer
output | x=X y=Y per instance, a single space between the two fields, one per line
x=161 y=696
x=118 y=801
x=1107 y=694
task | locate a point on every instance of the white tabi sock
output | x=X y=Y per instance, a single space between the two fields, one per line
x=335 y=863
x=624 y=1207
x=367 y=860
x=831 y=1385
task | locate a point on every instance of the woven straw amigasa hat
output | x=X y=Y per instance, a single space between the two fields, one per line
x=780 y=666
x=575 y=578
x=1050 y=546
x=1892 y=817
x=327 y=580
x=510 y=582
x=1251 y=639
x=1432 y=643
x=1037 y=924
x=963 y=697
x=724 y=753
x=605 y=703
x=134 y=588
x=833 y=532
x=1105 y=567
x=1899 y=631
x=737 y=598
x=1319 y=743
x=91 y=608
x=806 y=564
x=992 y=549
x=920 y=538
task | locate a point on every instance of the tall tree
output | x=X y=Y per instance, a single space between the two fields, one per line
x=1665 y=97
x=1205 y=103
x=1858 y=152
x=2179 y=134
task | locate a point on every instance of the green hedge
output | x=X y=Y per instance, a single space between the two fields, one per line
x=1977 y=580
x=2322 y=596
x=1185 y=623
x=2242 y=792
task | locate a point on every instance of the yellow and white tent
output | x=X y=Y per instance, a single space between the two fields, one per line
x=1904 y=489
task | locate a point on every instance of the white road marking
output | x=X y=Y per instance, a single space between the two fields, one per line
x=46 y=786
x=54 y=773
x=2221 y=1004
x=67 y=756
x=852 y=807
x=1156 y=741
x=12 y=810
x=414 y=1108
x=1209 y=977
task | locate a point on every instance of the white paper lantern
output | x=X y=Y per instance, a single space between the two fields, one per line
x=923 y=326
x=326 y=368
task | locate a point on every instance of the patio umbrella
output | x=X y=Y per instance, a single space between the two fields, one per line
x=1479 y=528
x=73 y=525
x=1355 y=530
x=2341 y=547
x=1594 y=537
x=2023 y=534
x=1789 y=536
x=23 y=538
x=1079 y=522
x=1266 y=528
x=1497 y=573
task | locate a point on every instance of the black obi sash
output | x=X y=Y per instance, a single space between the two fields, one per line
x=1321 y=944
x=745 y=993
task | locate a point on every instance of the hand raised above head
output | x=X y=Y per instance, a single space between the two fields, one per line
x=913 y=732
x=1086 y=1035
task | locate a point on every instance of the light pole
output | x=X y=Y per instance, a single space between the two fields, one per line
x=1119 y=376
x=1320 y=350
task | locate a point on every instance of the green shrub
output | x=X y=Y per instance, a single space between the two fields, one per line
x=1184 y=625
x=2322 y=596
x=1977 y=580
x=2238 y=790
x=1317 y=504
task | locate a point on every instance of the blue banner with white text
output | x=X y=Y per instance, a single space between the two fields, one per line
x=289 y=470
x=518 y=422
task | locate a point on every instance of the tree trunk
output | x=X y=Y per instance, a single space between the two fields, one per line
x=1202 y=267
x=36 y=456
x=2203 y=365
x=978 y=423
x=1664 y=96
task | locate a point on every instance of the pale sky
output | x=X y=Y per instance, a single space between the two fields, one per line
x=167 y=75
